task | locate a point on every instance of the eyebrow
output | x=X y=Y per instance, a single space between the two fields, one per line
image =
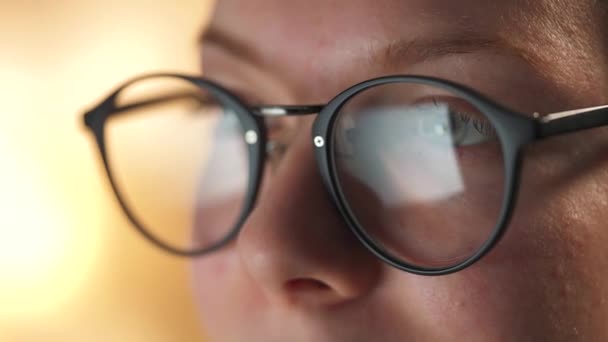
x=389 y=54
x=408 y=52
x=215 y=36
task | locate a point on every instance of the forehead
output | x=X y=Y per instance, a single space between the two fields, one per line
x=299 y=28
x=324 y=41
x=321 y=14
x=285 y=26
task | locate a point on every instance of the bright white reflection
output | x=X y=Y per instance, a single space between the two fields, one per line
x=228 y=176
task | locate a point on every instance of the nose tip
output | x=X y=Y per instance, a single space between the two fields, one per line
x=304 y=274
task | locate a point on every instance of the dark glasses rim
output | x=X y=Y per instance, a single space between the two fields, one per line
x=514 y=130
x=96 y=119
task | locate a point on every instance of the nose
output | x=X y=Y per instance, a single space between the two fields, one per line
x=295 y=245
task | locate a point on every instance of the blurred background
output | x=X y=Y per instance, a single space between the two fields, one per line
x=71 y=267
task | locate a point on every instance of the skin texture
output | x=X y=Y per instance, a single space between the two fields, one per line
x=296 y=272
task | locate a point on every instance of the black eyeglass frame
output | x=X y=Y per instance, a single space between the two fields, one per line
x=514 y=130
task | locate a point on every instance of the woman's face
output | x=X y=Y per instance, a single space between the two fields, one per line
x=296 y=272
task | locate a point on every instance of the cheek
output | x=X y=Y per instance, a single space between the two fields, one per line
x=210 y=276
x=543 y=281
x=223 y=292
x=500 y=298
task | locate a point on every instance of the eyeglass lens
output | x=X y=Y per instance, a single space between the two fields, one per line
x=179 y=162
x=421 y=170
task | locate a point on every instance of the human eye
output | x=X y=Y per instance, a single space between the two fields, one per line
x=450 y=120
x=416 y=123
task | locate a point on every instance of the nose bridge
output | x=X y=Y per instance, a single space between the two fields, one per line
x=282 y=123
x=296 y=236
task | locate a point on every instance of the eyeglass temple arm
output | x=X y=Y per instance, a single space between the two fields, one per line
x=162 y=99
x=572 y=121
x=269 y=110
x=112 y=109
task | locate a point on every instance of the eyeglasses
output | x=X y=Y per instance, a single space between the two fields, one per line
x=410 y=163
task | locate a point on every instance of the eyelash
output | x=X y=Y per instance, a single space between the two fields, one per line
x=482 y=126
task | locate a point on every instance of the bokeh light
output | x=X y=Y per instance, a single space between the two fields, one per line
x=71 y=267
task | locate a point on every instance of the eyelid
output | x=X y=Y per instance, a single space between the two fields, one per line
x=273 y=125
x=241 y=90
x=460 y=106
x=246 y=97
x=457 y=103
x=475 y=118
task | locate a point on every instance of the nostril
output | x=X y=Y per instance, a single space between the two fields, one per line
x=305 y=284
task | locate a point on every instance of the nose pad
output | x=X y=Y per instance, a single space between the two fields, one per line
x=280 y=132
x=275 y=150
x=295 y=245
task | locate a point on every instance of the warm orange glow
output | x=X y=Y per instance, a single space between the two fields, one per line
x=38 y=239
x=72 y=269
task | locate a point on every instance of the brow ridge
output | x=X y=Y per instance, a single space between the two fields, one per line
x=214 y=36
x=412 y=51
